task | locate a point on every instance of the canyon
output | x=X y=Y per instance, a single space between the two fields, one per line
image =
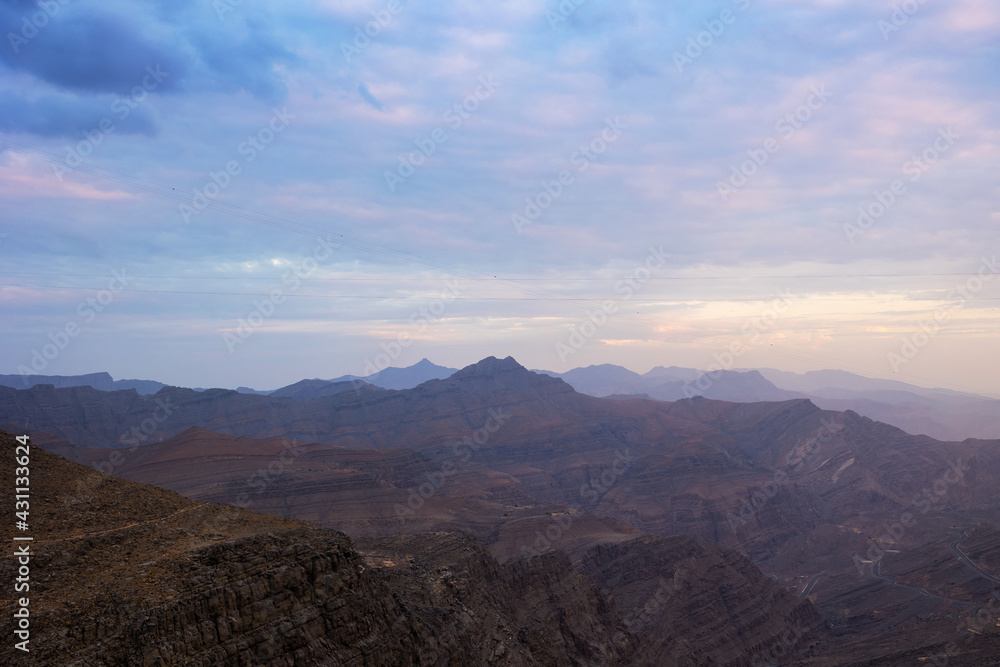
x=838 y=537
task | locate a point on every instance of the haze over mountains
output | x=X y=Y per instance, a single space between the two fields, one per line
x=881 y=544
x=101 y=381
x=403 y=378
x=267 y=212
x=940 y=413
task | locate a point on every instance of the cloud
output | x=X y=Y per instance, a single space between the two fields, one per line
x=354 y=120
x=49 y=114
x=246 y=56
x=92 y=51
x=367 y=96
x=87 y=50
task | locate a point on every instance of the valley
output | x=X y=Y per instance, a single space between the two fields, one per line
x=881 y=534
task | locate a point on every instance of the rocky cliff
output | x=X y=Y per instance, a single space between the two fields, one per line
x=128 y=574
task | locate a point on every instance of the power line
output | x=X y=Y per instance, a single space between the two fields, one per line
x=511 y=279
x=504 y=298
x=402 y=256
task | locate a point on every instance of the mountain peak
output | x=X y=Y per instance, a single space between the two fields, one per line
x=492 y=374
x=491 y=367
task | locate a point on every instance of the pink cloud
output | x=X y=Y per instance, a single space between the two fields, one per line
x=20 y=179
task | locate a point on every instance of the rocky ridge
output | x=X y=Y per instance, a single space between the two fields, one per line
x=128 y=574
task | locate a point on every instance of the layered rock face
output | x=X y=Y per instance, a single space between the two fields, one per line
x=500 y=610
x=735 y=615
x=127 y=574
x=305 y=597
x=527 y=465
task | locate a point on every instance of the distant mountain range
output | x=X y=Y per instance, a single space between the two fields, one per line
x=673 y=384
x=387 y=378
x=892 y=537
x=100 y=381
x=403 y=378
x=940 y=413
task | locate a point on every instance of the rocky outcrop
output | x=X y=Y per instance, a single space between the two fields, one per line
x=694 y=602
x=128 y=574
x=799 y=490
x=304 y=597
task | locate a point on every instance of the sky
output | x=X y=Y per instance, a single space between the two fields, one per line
x=236 y=192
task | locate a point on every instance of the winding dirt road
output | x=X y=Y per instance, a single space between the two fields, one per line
x=965 y=559
x=113 y=530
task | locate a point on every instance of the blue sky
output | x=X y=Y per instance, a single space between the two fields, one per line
x=314 y=189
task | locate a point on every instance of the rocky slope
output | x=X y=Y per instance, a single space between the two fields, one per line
x=817 y=499
x=127 y=574
x=493 y=439
x=656 y=585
